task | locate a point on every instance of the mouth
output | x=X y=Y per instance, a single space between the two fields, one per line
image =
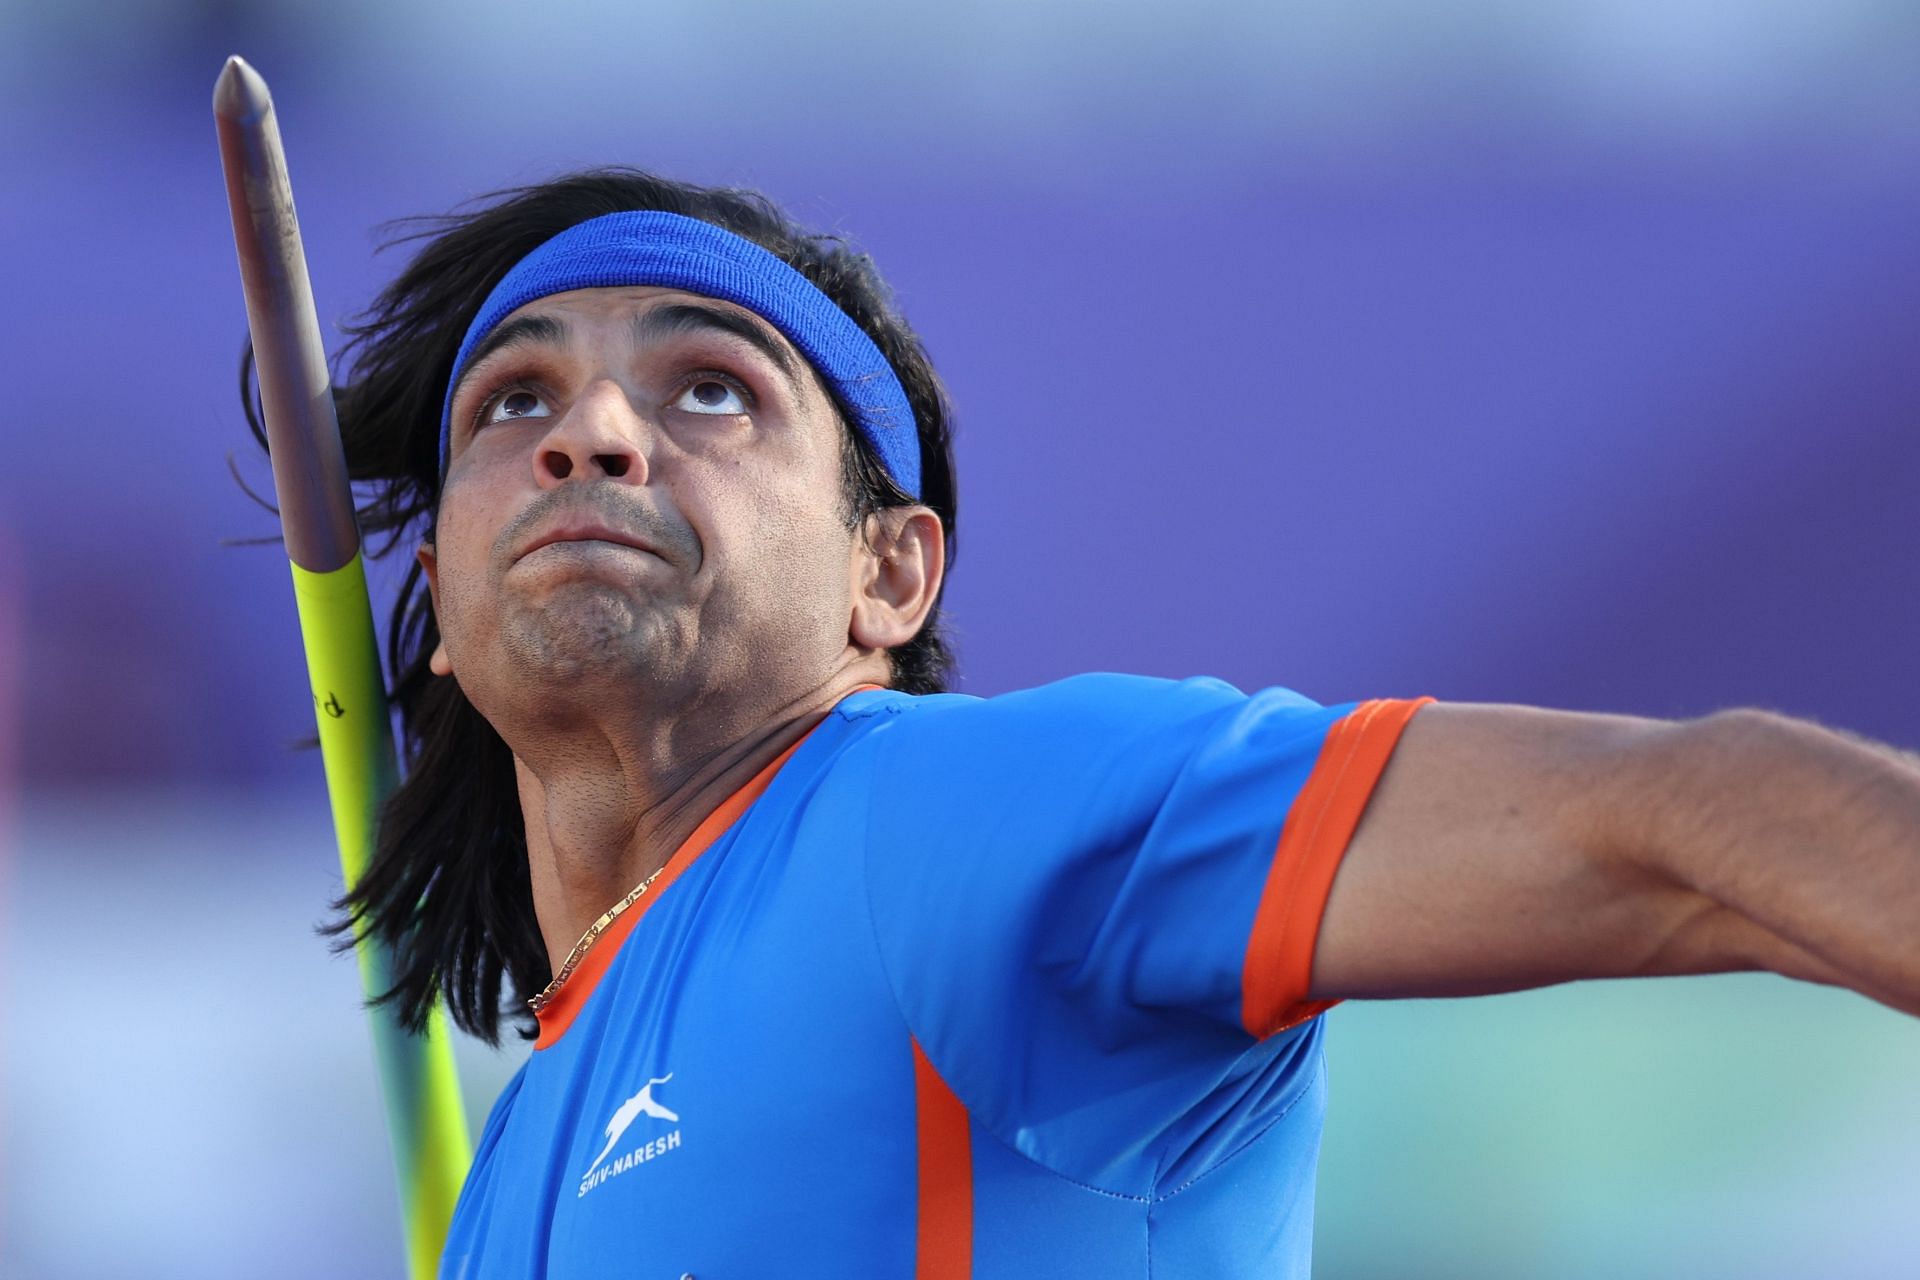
x=585 y=536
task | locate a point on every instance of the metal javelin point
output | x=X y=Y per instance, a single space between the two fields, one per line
x=296 y=390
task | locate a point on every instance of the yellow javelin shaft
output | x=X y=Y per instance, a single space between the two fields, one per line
x=424 y=1113
x=425 y=1118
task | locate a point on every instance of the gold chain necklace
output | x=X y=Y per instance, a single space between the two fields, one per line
x=594 y=930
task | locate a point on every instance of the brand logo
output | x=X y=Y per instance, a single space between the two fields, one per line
x=640 y=1104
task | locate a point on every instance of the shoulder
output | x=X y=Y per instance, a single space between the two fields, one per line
x=1096 y=707
x=1116 y=742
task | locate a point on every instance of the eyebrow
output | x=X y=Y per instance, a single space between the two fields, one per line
x=651 y=326
x=534 y=330
x=679 y=318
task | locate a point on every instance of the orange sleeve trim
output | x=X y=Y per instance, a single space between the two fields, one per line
x=559 y=1012
x=1278 y=971
x=944 y=1245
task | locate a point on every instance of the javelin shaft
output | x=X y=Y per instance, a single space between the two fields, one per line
x=425 y=1118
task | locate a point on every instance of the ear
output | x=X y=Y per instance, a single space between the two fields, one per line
x=900 y=560
x=437 y=662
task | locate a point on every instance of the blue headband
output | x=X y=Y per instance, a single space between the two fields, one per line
x=685 y=253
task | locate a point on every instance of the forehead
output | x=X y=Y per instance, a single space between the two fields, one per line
x=617 y=302
x=616 y=308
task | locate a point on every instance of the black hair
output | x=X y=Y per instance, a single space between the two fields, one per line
x=448 y=887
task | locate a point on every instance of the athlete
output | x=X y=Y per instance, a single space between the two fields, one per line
x=831 y=973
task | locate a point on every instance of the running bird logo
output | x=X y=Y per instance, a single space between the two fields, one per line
x=640 y=1104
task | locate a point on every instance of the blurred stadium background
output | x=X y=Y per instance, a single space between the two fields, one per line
x=1551 y=353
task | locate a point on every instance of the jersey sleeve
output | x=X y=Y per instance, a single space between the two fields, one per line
x=1097 y=904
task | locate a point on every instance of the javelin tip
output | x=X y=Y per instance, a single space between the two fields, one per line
x=240 y=94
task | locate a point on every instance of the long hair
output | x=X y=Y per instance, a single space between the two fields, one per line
x=448 y=886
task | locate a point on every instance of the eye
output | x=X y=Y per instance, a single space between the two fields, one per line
x=517 y=402
x=711 y=395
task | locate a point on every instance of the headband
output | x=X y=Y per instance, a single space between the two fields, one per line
x=685 y=253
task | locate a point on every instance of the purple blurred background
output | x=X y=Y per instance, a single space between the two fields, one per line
x=1557 y=354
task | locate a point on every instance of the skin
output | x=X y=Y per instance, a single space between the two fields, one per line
x=1510 y=847
x=706 y=602
x=639 y=686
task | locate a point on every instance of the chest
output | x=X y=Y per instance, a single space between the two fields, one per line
x=738 y=1087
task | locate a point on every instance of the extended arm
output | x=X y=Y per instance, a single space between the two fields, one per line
x=1507 y=847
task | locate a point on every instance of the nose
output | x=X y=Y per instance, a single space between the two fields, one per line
x=599 y=437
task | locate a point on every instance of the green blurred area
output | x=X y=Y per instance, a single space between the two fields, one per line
x=1740 y=1126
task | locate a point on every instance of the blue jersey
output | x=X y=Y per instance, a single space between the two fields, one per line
x=958 y=989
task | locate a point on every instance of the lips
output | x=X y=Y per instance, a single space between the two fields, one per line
x=584 y=531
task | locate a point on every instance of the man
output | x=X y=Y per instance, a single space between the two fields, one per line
x=835 y=975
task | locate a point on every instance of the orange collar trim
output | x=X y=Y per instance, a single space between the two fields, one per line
x=560 y=1010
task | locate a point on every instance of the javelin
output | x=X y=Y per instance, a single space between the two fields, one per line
x=424 y=1115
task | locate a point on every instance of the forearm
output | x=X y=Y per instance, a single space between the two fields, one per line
x=1802 y=845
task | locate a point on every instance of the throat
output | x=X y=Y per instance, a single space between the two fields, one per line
x=598 y=830
x=590 y=844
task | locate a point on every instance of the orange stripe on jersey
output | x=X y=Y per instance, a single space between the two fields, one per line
x=559 y=1012
x=944 y=1249
x=1278 y=970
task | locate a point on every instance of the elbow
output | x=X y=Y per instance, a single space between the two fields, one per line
x=1748 y=727
x=1754 y=840
x=1737 y=805
x=1723 y=748
x=1682 y=792
x=1681 y=800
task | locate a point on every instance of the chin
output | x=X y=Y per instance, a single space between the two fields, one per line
x=587 y=636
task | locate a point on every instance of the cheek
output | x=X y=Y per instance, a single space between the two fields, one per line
x=462 y=552
x=790 y=546
x=815 y=572
x=451 y=612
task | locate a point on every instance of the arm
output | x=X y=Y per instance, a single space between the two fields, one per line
x=1506 y=847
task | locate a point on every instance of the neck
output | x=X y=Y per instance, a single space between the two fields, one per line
x=606 y=805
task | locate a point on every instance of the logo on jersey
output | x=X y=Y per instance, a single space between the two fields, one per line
x=640 y=1104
